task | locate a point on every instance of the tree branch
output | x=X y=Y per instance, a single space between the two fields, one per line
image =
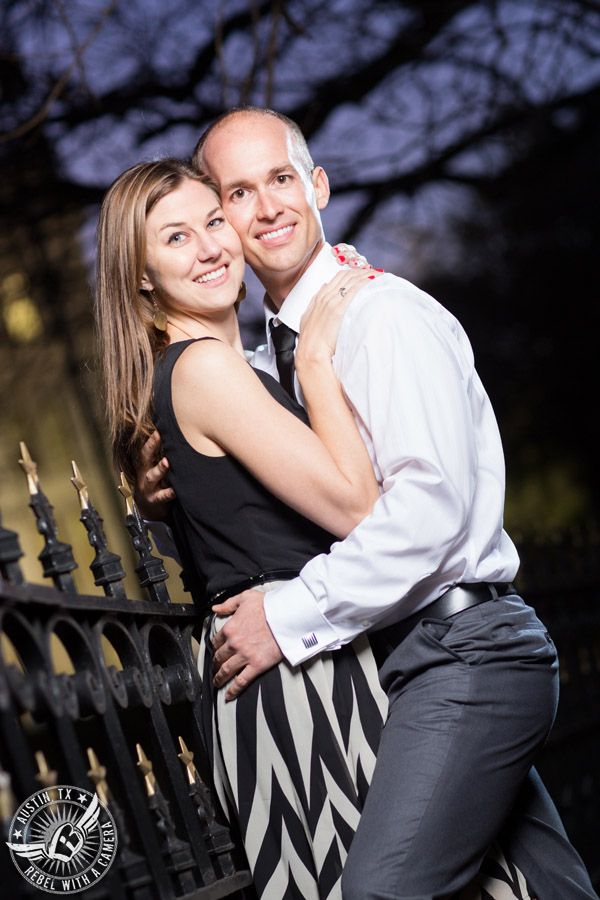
x=58 y=88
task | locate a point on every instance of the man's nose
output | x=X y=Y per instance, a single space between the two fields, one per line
x=269 y=205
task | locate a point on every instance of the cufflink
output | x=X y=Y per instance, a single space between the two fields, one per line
x=310 y=640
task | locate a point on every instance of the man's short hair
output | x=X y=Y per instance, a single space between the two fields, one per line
x=298 y=138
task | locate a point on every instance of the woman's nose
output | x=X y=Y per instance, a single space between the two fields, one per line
x=208 y=248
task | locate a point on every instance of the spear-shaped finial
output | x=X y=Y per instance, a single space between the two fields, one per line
x=56 y=556
x=106 y=566
x=127 y=493
x=216 y=835
x=97 y=774
x=30 y=468
x=7 y=798
x=187 y=758
x=81 y=485
x=145 y=767
x=46 y=776
x=150 y=570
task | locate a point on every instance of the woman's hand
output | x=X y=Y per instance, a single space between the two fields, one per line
x=347 y=255
x=320 y=323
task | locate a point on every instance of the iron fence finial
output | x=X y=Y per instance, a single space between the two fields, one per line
x=30 y=468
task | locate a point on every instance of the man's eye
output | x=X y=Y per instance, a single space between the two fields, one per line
x=239 y=194
x=283 y=179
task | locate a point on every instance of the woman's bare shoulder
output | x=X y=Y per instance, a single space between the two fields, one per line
x=212 y=367
x=207 y=356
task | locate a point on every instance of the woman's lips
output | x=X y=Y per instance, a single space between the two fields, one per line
x=216 y=276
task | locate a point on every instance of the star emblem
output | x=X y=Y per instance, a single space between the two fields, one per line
x=18 y=834
x=82 y=798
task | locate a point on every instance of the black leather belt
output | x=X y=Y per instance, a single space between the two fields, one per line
x=453 y=601
x=249 y=583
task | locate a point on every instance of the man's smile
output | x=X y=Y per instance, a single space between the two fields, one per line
x=277 y=235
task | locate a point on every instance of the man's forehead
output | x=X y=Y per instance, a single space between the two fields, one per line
x=248 y=146
x=251 y=125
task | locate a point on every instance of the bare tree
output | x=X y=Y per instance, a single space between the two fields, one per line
x=425 y=113
x=394 y=95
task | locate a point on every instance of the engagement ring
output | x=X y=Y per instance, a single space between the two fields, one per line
x=343 y=292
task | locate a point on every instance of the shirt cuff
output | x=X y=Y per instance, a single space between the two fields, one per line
x=298 y=625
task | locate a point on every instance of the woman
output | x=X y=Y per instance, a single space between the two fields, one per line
x=241 y=455
x=258 y=494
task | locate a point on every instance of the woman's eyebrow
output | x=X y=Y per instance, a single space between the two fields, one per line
x=209 y=215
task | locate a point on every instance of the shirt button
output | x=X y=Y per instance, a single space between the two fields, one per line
x=365 y=623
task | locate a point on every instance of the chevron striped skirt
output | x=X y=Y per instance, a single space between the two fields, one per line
x=292 y=760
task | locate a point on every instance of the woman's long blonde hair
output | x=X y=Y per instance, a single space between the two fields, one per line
x=128 y=341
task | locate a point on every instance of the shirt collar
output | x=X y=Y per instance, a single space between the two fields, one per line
x=322 y=269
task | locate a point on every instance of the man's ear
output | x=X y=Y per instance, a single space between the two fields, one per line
x=321 y=185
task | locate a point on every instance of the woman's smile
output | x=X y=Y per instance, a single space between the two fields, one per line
x=216 y=275
x=194 y=261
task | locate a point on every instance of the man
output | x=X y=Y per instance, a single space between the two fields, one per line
x=469 y=670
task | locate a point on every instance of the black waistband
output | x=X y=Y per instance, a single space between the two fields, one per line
x=453 y=601
x=249 y=583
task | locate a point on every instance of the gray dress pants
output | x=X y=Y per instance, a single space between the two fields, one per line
x=472 y=699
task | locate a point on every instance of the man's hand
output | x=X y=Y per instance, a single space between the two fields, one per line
x=245 y=646
x=151 y=493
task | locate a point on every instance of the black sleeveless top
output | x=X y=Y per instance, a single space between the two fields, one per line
x=228 y=527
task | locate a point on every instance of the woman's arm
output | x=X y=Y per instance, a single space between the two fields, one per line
x=222 y=406
x=330 y=416
x=150 y=490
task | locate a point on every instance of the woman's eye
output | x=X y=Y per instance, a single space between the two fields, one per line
x=176 y=238
x=214 y=223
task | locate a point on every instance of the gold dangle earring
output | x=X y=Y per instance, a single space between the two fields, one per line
x=241 y=296
x=160 y=320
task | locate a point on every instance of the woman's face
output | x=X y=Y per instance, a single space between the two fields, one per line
x=194 y=259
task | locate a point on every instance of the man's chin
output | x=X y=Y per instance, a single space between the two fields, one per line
x=278 y=259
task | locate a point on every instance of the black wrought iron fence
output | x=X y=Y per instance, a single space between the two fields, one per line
x=119 y=715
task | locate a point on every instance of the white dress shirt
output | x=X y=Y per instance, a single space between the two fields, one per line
x=406 y=367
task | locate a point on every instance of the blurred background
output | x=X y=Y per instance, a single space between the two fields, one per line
x=462 y=142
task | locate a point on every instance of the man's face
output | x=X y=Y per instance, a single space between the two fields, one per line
x=268 y=196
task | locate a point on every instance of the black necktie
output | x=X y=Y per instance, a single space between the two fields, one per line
x=284 y=341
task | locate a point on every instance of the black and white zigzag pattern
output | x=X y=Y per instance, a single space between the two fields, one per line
x=292 y=761
x=293 y=758
x=498 y=879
